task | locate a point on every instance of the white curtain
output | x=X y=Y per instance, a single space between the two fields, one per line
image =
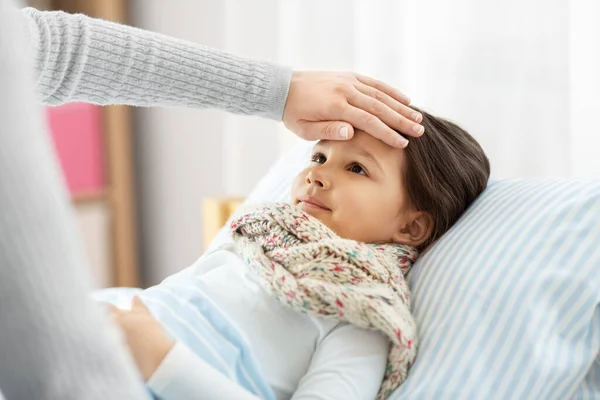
x=521 y=75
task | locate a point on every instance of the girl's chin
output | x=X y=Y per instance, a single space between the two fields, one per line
x=321 y=214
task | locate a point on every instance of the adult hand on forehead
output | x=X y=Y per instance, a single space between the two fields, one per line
x=329 y=105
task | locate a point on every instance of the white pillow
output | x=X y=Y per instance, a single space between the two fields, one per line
x=275 y=186
x=508 y=301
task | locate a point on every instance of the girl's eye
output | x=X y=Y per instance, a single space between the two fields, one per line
x=357 y=169
x=318 y=158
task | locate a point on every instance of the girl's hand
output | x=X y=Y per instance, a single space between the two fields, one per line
x=147 y=340
x=327 y=105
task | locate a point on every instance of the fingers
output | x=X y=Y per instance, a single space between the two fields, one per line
x=327 y=130
x=371 y=124
x=138 y=305
x=114 y=313
x=384 y=88
x=114 y=310
x=400 y=108
x=394 y=119
x=332 y=100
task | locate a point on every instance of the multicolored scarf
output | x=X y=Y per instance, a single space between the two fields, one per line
x=306 y=266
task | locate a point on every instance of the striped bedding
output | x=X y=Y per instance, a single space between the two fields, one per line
x=508 y=302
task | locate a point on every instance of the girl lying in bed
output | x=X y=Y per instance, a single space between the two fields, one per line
x=309 y=301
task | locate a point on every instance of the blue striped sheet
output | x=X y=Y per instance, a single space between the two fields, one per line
x=188 y=313
x=508 y=301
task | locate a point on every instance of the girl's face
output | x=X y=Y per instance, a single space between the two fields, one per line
x=356 y=188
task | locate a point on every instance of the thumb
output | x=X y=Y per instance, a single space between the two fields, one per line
x=329 y=130
x=138 y=305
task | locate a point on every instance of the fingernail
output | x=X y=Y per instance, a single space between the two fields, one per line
x=344 y=132
x=402 y=142
x=406 y=100
x=417 y=117
x=418 y=129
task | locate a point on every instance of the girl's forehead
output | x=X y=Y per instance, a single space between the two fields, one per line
x=362 y=141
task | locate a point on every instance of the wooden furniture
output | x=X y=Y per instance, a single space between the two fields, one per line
x=215 y=213
x=110 y=207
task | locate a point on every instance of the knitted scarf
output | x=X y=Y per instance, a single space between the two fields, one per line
x=309 y=268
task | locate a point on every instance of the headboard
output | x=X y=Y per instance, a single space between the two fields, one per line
x=215 y=212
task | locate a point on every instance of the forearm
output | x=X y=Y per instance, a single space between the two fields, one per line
x=84 y=59
x=348 y=364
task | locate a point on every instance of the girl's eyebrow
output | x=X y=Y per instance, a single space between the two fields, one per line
x=360 y=152
x=371 y=157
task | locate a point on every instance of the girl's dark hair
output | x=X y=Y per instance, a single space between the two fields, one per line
x=446 y=170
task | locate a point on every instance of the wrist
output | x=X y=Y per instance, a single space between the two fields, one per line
x=160 y=352
x=279 y=95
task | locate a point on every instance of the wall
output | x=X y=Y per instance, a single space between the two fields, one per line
x=184 y=155
x=584 y=93
x=175 y=149
x=522 y=77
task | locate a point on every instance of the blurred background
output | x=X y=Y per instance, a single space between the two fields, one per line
x=522 y=76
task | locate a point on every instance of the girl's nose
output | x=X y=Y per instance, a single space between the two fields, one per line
x=317 y=178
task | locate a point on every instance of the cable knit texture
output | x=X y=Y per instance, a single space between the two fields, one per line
x=306 y=266
x=85 y=59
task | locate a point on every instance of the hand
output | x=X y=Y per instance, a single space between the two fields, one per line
x=148 y=342
x=327 y=105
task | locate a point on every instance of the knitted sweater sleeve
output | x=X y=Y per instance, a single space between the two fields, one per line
x=78 y=58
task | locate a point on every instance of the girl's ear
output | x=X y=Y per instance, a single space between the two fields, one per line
x=416 y=230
